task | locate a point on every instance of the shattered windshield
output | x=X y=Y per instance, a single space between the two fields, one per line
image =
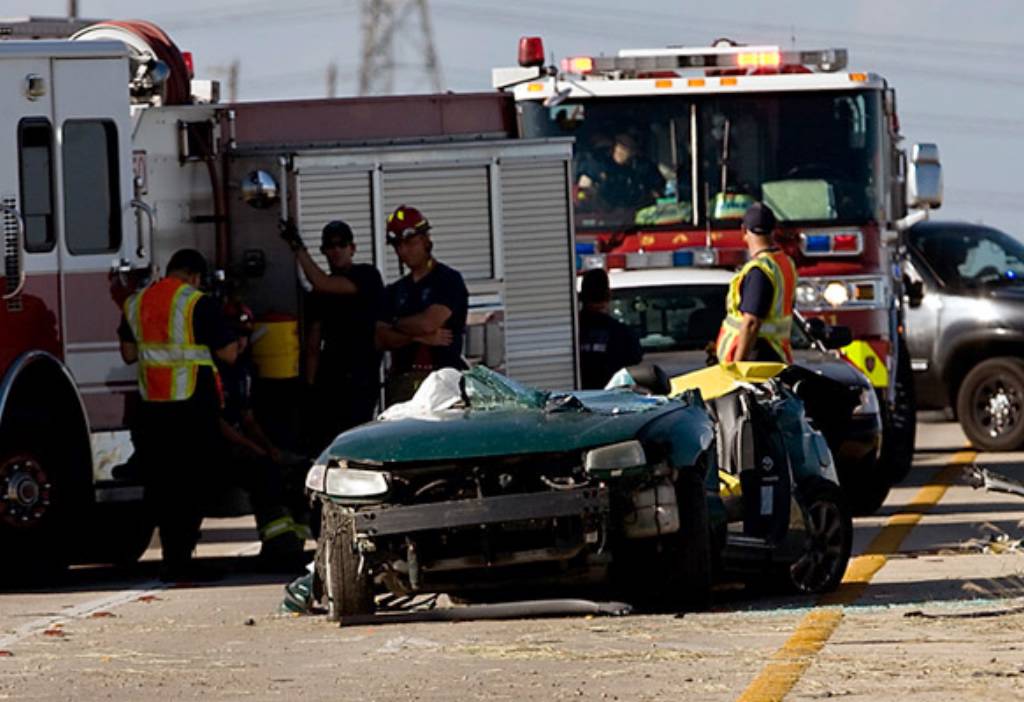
x=485 y=389
x=813 y=156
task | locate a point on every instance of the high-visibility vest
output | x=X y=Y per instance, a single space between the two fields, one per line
x=160 y=317
x=776 y=328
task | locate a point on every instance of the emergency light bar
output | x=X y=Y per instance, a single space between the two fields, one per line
x=832 y=243
x=691 y=257
x=714 y=57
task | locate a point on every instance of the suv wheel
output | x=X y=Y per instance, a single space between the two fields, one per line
x=990 y=404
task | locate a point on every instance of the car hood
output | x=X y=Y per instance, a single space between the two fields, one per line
x=599 y=418
x=676 y=363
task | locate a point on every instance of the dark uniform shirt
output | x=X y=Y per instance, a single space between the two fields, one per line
x=606 y=345
x=405 y=297
x=209 y=329
x=236 y=379
x=347 y=325
x=630 y=185
x=756 y=293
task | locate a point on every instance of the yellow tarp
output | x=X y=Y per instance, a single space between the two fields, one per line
x=722 y=379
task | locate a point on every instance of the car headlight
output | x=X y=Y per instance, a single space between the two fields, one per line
x=836 y=293
x=342 y=481
x=612 y=461
x=868 y=402
x=807 y=294
x=315 y=477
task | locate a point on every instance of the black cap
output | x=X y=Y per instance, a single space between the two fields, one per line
x=759 y=219
x=336 y=230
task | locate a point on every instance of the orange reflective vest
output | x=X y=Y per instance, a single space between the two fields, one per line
x=776 y=328
x=160 y=317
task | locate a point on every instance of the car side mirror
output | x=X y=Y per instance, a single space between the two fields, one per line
x=914 y=291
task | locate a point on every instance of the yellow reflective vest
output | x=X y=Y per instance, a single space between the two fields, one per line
x=160 y=317
x=776 y=328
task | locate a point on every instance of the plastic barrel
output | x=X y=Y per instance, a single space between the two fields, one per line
x=275 y=347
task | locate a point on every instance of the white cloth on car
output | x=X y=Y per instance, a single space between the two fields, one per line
x=440 y=391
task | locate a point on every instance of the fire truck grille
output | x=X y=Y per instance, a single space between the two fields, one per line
x=11 y=257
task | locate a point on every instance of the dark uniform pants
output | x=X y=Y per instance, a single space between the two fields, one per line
x=176 y=443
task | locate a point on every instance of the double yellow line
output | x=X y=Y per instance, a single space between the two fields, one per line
x=788 y=664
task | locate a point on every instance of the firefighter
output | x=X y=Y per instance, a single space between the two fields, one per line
x=606 y=344
x=174 y=332
x=424 y=314
x=254 y=462
x=342 y=366
x=759 y=304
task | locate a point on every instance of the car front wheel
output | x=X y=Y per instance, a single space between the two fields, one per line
x=990 y=404
x=346 y=591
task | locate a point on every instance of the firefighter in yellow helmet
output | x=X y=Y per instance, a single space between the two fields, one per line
x=759 y=304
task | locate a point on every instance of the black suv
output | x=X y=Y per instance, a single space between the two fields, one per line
x=964 y=285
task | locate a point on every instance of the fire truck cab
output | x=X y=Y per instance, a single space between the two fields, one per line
x=673 y=144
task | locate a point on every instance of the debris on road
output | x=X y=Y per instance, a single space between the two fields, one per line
x=504 y=610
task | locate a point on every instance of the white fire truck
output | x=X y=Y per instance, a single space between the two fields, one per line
x=113 y=158
x=673 y=144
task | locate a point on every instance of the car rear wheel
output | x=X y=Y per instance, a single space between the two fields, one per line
x=827 y=540
x=990 y=404
x=346 y=591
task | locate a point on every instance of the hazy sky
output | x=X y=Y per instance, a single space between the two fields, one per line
x=958 y=67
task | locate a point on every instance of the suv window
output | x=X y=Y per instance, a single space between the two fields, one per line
x=92 y=212
x=970 y=258
x=35 y=171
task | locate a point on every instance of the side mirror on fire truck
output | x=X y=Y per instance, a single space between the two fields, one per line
x=831 y=336
x=924 y=177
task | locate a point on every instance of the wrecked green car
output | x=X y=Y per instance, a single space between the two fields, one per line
x=491 y=489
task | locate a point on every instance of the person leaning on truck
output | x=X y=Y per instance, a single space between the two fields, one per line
x=424 y=315
x=342 y=360
x=759 y=304
x=174 y=332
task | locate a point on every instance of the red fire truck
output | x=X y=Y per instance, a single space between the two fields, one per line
x=113 y=157
x=673 y=144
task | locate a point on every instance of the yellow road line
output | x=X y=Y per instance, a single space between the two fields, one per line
x=788 y=664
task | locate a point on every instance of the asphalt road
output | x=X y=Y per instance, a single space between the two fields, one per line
x=932 y=608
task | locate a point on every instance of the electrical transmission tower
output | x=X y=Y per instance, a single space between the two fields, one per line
x=396 y=34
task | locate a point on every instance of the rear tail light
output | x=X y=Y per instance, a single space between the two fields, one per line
x=531 y=52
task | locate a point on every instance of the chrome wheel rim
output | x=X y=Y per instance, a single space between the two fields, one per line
x=25 y=492
x=823 y=548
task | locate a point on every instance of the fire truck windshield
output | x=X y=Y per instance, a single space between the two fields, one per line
x=813 y=156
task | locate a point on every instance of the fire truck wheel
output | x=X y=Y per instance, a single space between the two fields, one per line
x=900 y=421
x=34 y=506
x=118 y=534
x=990 y=404
x=346 y=590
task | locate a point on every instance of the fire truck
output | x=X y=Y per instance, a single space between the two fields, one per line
x=673 y=144
x=114 y=157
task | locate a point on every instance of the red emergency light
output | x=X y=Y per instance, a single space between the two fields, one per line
x=531 y=52
x=189 y=63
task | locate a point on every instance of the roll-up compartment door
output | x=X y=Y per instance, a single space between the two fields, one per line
x=540 y=296
x=456 y=201
x=324 y=195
